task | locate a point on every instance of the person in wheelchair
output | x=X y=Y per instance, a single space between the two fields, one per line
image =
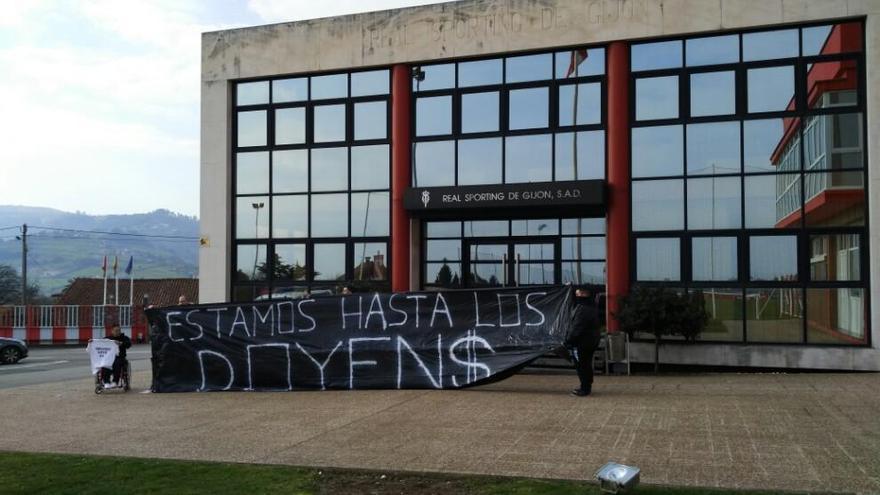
x=119 y=363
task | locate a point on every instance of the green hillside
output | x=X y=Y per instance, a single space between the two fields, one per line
x=55 y=257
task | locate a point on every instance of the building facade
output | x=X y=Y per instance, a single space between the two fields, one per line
x=719 y=147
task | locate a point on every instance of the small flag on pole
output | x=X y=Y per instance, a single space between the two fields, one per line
x=104 y=266
x=128 y=268
x=115 y=264
x=577 y=57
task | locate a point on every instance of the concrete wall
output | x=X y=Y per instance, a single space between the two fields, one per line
x=480 y=27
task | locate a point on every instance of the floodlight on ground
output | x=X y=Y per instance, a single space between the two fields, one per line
x=617 y=478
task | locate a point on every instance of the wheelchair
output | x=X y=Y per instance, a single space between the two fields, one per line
x=124 y=378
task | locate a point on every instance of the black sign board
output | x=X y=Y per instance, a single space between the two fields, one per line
x=449 y=339
x=578 y=197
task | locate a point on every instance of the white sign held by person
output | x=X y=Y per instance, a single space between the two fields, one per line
x=102 y=353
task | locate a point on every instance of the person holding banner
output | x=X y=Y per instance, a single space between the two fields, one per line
x=124 y=343
x=584 y=338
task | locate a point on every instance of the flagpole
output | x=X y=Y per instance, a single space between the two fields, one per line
x=574 y=158
x=104 y=268
x=116 y=278
x=131 y=287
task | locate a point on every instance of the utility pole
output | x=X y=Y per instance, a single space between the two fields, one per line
x=24 y=264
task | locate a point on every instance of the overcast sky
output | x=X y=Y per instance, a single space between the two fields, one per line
x=99 y=99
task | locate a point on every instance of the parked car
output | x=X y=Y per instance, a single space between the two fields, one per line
x=12 y=350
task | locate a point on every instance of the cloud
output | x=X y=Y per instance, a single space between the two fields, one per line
x=15 y=13
x=103 y=98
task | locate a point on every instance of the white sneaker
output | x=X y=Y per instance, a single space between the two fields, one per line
x=109 y=385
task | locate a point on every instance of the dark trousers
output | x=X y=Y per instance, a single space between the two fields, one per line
x=117 y=368
x=584 y=363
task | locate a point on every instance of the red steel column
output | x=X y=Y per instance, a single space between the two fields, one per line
x=400 y=175
x=618 y=177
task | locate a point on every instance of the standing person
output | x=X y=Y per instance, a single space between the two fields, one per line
x=584 y=338
x=124 y=343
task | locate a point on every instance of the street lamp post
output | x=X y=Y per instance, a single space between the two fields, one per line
x=543 y=272
x=257 y=207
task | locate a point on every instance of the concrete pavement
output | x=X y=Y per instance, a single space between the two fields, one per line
x=771 y=431
x=60 y=363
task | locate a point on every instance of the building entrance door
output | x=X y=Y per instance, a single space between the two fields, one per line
x=505 y=263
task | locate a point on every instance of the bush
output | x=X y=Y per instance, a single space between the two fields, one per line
x=659 y=311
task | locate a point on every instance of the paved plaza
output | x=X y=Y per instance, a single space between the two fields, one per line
x=772 y=431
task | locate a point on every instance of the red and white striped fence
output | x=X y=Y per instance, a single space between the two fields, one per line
x=51 y=324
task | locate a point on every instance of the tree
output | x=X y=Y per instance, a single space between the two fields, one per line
x=10 y=287
x=280 y=270
x=694 y=317
x=444 y=275
x=659 y=311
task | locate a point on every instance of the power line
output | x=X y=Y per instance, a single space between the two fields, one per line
x=87 y=238
x=116 y=233
x=12 y=227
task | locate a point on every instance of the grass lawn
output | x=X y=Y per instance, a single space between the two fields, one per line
x=79 y=474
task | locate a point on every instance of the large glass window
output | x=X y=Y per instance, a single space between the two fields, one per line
x=312 y=201
x=657 y=98
x=773 y=258
x=252 y=173
x=480 y=72
x=370 y=120
x=657 y=151
x=285 y=90
x=434 y=163
x=329 y=215
x=713 y=203
x=254 y=93
x=529 y=158
x=479 y=161
x=580 y=156
x=529 y=108
x=290 y=125
x=658 y=259
x=290 y=216
x=581 y=259
x=370 y=167
x=479 y=112
x=526 y=118
x=770 y=89
x=713 y=93
x=437 y=115
x=658 y=205
x=290 y=171
x=329 y=169
x=329 y=123
x=659 y=55
x=758 y=183
x=580 y=104
x=712 y=50
x=714 y=259
x=251 y=128
x=713 y=148
x=775 y=315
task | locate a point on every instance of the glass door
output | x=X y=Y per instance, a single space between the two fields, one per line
x=493 y=263
x=534 y=263
x=488 y=264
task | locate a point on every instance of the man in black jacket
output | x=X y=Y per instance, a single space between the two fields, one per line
x=124 y=343
x=584 y=338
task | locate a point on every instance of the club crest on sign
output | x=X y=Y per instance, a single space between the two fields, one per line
x=426 y=197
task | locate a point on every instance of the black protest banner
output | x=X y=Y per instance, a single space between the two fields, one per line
x=438 y=340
